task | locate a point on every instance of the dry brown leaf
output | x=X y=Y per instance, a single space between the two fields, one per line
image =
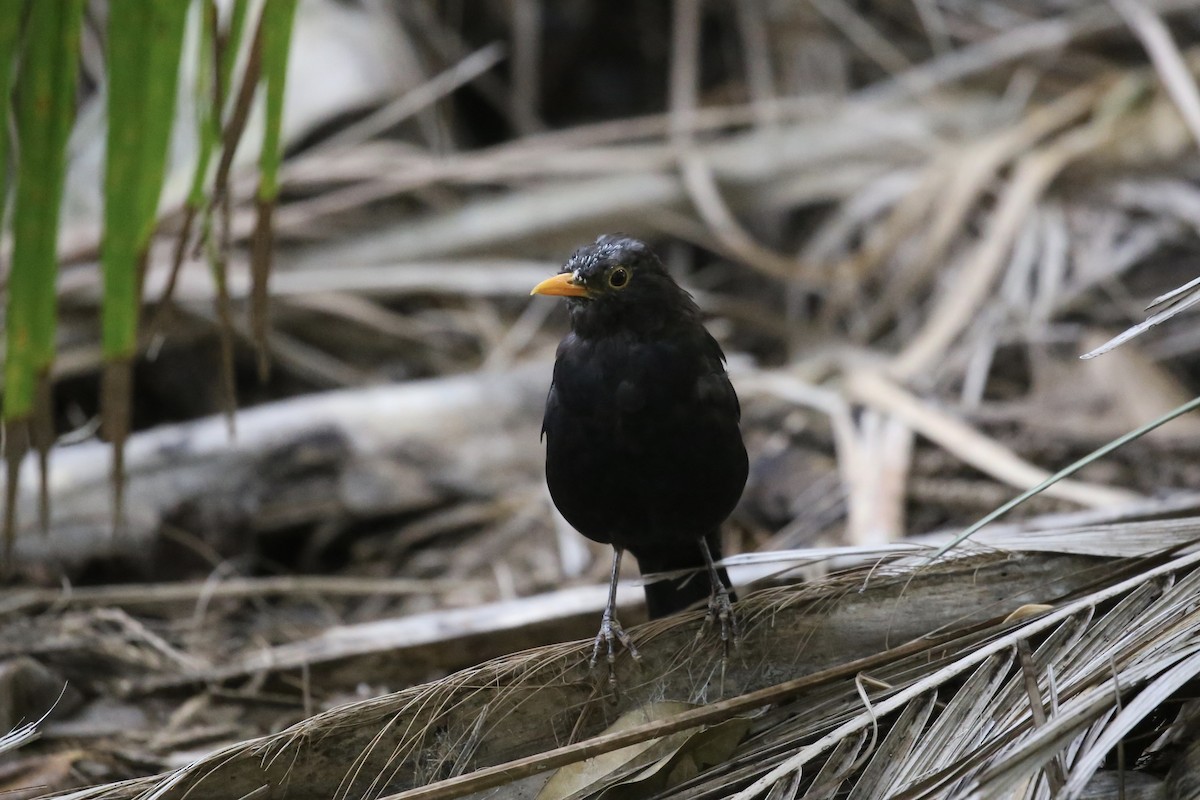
x=698 y=752
x=585 y=777
x=37 y=775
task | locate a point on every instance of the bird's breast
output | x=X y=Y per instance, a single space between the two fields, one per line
x=638 y=437
x=614 y=378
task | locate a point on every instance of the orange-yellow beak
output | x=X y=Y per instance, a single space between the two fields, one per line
x=561 y=285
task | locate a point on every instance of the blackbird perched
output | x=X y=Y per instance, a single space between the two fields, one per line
x=643 y=449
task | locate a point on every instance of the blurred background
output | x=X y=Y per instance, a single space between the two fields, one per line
x=905 y=220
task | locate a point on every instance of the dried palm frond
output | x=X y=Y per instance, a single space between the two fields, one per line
x=883 y=681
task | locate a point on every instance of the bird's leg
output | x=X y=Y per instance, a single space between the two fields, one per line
x=720 y=608
x=610 y=627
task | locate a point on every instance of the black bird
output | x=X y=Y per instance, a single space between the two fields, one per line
x=643 y=449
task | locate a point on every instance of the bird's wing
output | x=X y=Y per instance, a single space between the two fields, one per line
x=714 y=389
x=714 y=386
x=551 y=406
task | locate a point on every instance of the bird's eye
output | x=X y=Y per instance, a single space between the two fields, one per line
x=618 y=278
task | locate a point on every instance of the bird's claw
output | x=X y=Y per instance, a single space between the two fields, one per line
x=610 y=631
x=720 y=609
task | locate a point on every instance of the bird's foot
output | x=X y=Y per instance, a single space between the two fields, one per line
x=611 y=631
x=720 y=609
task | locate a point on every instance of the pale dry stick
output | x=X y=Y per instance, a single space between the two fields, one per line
x=873 y=389
x=483 y=277
x=685 y=72
x=861 y=488
x=1164 y=53
x=298 y=218
x=875 y=506
x=958 y=667
x=957 y=306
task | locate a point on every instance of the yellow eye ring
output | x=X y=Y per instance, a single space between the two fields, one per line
x=618 y=278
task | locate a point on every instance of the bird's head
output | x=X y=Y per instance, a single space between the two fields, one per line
x=618 y=283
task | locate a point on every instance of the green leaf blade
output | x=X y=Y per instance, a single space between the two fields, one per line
x=278 y=18
x=45 y=111
x=145 y=41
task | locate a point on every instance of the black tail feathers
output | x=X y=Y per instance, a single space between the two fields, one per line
x=670 y=595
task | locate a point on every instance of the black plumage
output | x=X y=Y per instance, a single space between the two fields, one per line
x=643 y=449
